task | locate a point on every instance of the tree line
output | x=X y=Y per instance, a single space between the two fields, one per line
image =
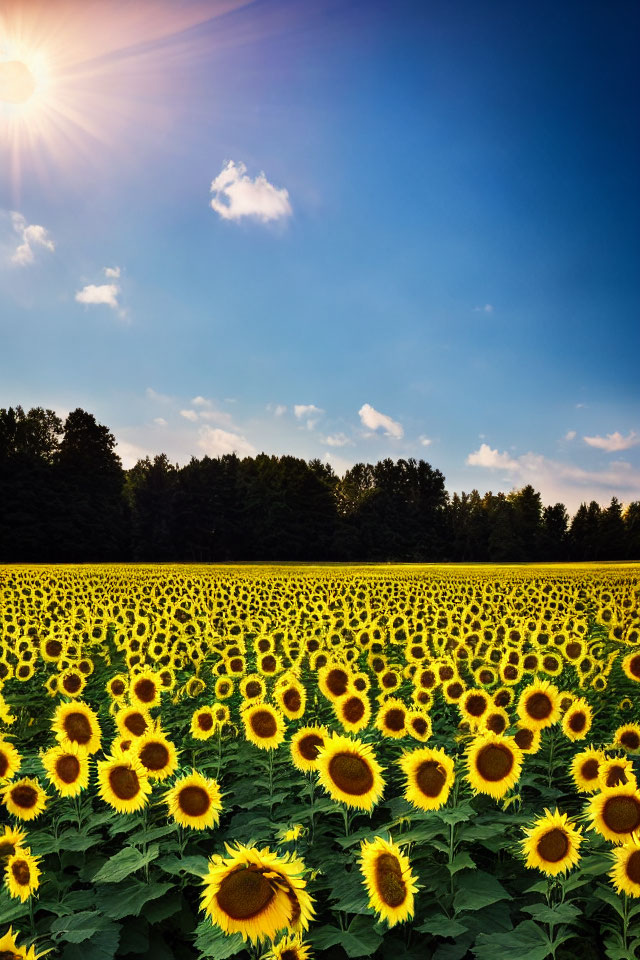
x=65 y=497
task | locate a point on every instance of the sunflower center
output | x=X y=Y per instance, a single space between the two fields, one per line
x=510 y=672
x=337 y=681
x=269 y=663
x=9 y=955
x=420 y=726
x=7 y=849
x=53 y=648
x=589 y=769
x=476 y=705
x=455 y=690
x=573 y=650
x=539 y=706
x=553 y=846
x=254 y=689
x=263 y=724
x=20 y=871
x=289 y=954
x=633 y=867
x=390 y=886
x=634 y=666
x=621 y=814
x=353 y=710
x=494 y=762
x=68 y=768
x=431 y=778
x=244 y=894
x=117 y=688
x=309 y=746
x=24 y=796
x=615 y=776
x=205 y=721
x=72 y=683
x=194 y=800
x=154 y=756
x=630 y=740
x=394 y=719
x=145 y=690
x=4 y=763
x=496 y=723
x=77 y=727
x=486 y=676
x=292 y=700
x=136 y=724
x=351 y=774
x=124 y=782
x=524 y=738
x=578 y=721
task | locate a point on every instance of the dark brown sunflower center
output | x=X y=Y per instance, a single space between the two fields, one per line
x=446 y=673
x=497 y=723
x=351 y=773
x=263 y=724
x=573 y=649
x=72 y=683
x=24 y=796
x=577 y=721
x=634 y=665
x=486 y=676
x=524 y=738
x=254 y=689
x=390 y=886
x=117 y=688
x=124 y=782
x=223 y=689
x=7 y=849
x=394 y=719
x=53 y=648
x=154 y=755
x=244 y=894
x=553 y=846
x=431 y=778
x=205 y=721
x=145 y=690
x=630 y=740
x=77 y=727
x=68 y=768
x=21 y=872
x=539 y=706
x=390 y=680
x=309 y=746
x=269 y=663
x=236 y=665
x=510 y=672
x=633 y=867
x=290 y=954
x=621 y=814
x=550 y=663
x=476 y=705
x=616 y=775
x=427 y=679
x=455 y=690
x=292 y=700
x=337 y=682
x=494 y=762
x=353 y=709
x=136 y=724
x=194 y=800
x=4 y=763
x=420 y=725
x=530 y=662
x=9 y=955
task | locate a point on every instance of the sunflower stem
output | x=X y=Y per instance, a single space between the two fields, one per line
x=270 y=783
x=31 y=919
x=625 y=920
x=76 y=803
x=312 y=797
x=219 y=763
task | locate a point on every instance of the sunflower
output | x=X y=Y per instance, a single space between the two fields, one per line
x=585 y=767
x=474 y=706
x=195 y=801
x=503 y=697
x=627 y=738
x=9 y=949
x=291 y=697
x=391 y=718
x=552 y=844
x=10 y=760
x=124 y=783
x=157 y=755
x=333 y=681
x=527 y=739
x=353 y=712
x=67 y=769
x=145 y=690
x=117 y=687
x=452 y=691
x=388 y=879
x=494 y=764
x=615 y=772
x=577 y=721
x=76 y=723
x=418 y=725
x=429 y=774
x=539 y=705
x=10 y=841
x=305 y=747
x=615 y=813
x=349 y=772
x=71 y=682
x=256 y=893
x=21 y=874
x=133 y=722
x=203 y=723
x=222 y=714
x=626 y=871
x=631 y=666
x=223 y=688
x=289 y=948
x=263 y=725
x=253 y=687
x=24 y=798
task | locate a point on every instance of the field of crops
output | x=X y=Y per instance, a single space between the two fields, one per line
x=289 y=762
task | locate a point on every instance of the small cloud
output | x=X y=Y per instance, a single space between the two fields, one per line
x=486 y=457
x=570 y=435
x=32 y=235
x=580 y=406
x=235 y=195
x=425 y=441
x=160 y=421
x=337 y=440
x=487 y=308
x=100 y=294
x=277 y=409
x=201 y=402
x=113 y=273
x=216 y=442
x=614 y=441
x=152 y=394
x=375 y=420
x=189 y=415
x=308 y=412
x=339 y=464
x=217 y=416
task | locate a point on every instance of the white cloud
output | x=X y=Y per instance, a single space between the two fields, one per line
x=614 y=441
x=201 y=402
x=308 y=412
x=189 y=415
x=339 y=464
x=570 y=435
x=337 y=440
x=277 y=409
x=217 y=416
x=113 y=273
x=160 y=421
x=215 y=442
x=130 y=453
x=32 y=235
x=235 y=195
x=487 y=308
x=102 y=294
x=375 y=420
x=486 y=457
x=152 y=394
x=425 y=441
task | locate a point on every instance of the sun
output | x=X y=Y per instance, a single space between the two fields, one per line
x=17 y=82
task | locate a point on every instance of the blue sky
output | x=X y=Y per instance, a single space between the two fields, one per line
x=423 y=239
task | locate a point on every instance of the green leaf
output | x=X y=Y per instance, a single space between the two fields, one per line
x=476 y=890
x=124 y=863
x=78 y=927
x=527 y=942
x=442 y=926
x=11 y=909
x=196 y=865
x=560 y=913
x=128 y=899
x=360 y=939
x=212 y=942
x=158 y=910
x=608 y=895
x=102 y=946
x=460 y=862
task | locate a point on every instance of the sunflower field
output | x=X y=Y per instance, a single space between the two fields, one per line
x=403 y=762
